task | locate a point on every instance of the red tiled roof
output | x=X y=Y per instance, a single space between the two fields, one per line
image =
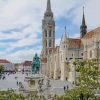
x=91 y=33
x=4 y=61
x=75 y=43
x=27 y=63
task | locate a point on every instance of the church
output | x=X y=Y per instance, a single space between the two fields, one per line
x=57 y=61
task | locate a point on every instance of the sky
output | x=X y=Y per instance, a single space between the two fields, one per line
x=21 y=21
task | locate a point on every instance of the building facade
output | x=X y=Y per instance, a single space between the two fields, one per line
x=8 y=66
x=57 y=62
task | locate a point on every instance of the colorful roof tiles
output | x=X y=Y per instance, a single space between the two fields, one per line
x=4 y=61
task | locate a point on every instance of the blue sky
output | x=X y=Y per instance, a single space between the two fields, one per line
x=21 y=20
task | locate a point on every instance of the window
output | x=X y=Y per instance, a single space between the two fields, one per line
x=50 y=32
x=65 y=46
x=81 y=54
x=50 y=43
x=46 y=43
x=45 y=33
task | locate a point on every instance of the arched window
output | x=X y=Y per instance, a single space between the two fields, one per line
x=45 y=33
x=50 y=43
x=50 y=32
x=65 y=46
x=81 y=54
x=46 y=43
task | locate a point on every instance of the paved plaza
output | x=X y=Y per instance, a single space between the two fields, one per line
x=10 y=82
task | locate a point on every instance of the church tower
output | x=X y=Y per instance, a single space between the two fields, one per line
x=83 y=28
x=48 y=31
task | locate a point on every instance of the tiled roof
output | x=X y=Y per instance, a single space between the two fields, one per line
x=27 y=63
x=4 y=61
x=91 y=33
x=75 y=43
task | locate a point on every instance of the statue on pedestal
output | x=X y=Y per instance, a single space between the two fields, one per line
x=35 y=64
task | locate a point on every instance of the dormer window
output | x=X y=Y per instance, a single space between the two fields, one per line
x=65 y=46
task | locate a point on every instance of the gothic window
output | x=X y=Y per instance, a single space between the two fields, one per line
x=45 y=33
x=90 y=53
x=50 y=43
x=46 y=43
x=65 y=46
x=50 y=32
x=81 y=54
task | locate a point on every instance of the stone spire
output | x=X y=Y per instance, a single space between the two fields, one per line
x=83 y=20
x=48 y=6
x=64 y=36
x=83 y=28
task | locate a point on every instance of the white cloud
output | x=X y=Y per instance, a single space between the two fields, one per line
x=15 y=14
x=21 y=55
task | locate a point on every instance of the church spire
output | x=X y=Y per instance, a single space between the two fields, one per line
x=64 y=36
x=48 y=6
x=83 y=20
x=83 y=28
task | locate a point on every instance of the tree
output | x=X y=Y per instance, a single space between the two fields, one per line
x=10 y=95
x=1 y=68
x=88 y=73
x=86 y=82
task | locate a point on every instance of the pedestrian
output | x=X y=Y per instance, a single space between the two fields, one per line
x=67 y=87
x=17 y=83
x=64 y=88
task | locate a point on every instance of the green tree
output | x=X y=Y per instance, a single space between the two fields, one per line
x=10 y=95
x=1 y=68
x=86 y=82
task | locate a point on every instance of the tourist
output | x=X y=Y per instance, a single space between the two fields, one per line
x=64 y=88
x=17 y=83
x=67 y=87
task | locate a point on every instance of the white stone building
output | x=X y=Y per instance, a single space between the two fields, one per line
x=57 y=62
x=25 y=66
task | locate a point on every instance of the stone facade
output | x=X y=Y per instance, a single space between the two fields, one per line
x=57 y=62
